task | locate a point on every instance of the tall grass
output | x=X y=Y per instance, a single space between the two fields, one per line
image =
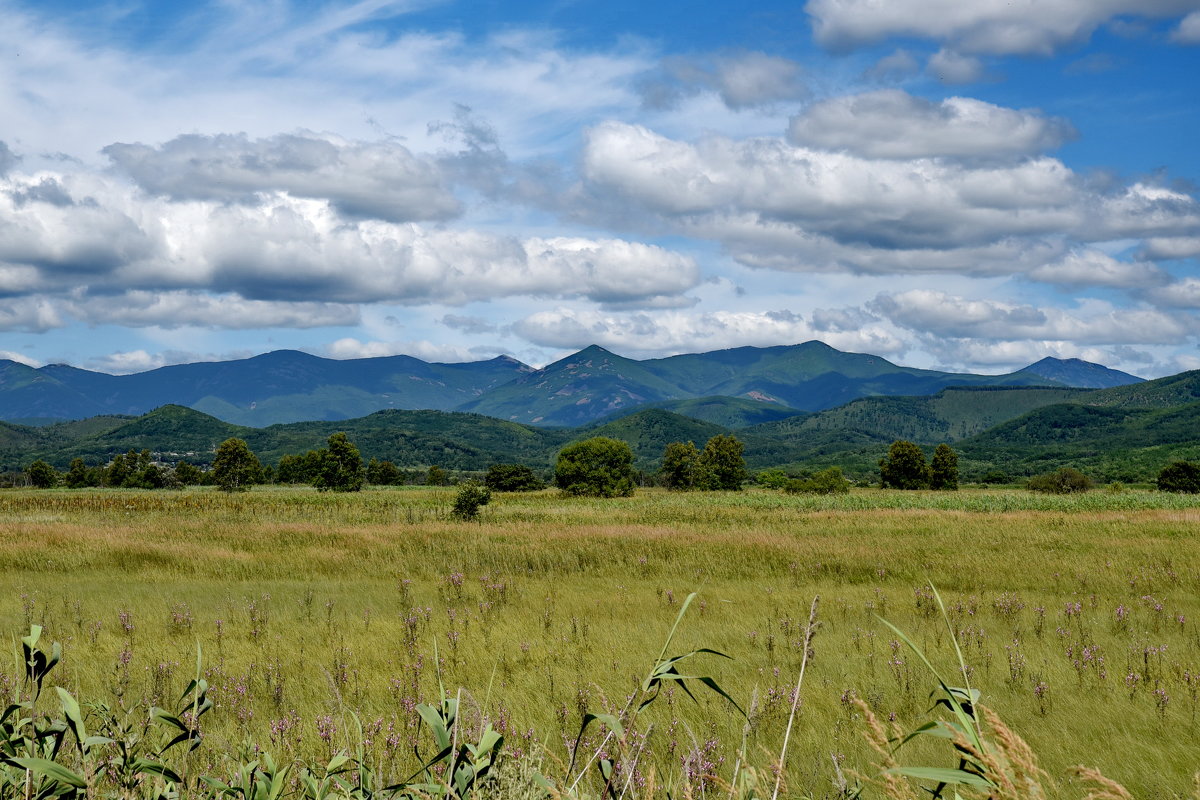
x=317 y=614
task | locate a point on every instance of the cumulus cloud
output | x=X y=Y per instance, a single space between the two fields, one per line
x=379 y=180
x=896 y=66
x=954 y=68
x=939 y=314
x=468 y=324
x=294 y=250
x=671 y=332
x=741 y=80
x=980 y=26
x=8 y=159
x=894 y=124
x=177 y=309
x=1188 y=31
x=32 y=314
x=1180 y=294
x=1170 y=248
x=1094 y=268
x=130 y=361
x=795 y=207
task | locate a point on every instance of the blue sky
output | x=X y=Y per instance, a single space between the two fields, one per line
x=968 y=186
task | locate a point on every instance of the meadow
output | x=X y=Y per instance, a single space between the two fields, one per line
x=323 y=620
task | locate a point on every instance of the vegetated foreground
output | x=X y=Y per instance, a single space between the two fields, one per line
x=1077 y=617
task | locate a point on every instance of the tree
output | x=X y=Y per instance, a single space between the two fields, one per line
x=78 y=475
x=943 y=471
x=512 y=478
x=1062 y=481
x=904 y=467
x=299 y=467
x=42 y=475
x=680 y=470
x=383 y=473
x=721 y=464
x=235 y=468
x=470 y=498
x=436 y=476
x=774 y=478
x=341 y=467
x=596 y=467
x=1180 y=476
x=187 y=474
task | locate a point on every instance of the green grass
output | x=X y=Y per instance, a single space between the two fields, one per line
x=311 y=605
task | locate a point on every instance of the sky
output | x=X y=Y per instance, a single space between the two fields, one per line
x=962 y=186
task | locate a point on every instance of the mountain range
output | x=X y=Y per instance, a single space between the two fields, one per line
x=1125 y=432
x=733 y=388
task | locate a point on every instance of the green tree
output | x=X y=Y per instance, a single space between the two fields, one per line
x=596 y=467
x=78 y=475
x=341 y=466
x=436 y=476
x=512 y=478
x=772 y=478
x=299 y=467
x=470 y=498
x=1180 y=476
x=943 y=471
x=42 y=475
x=680 y=470
x=235 y=468
x=904 y=467
x=721 y=464
x=383 y=473
x=117 y=471
x=188 y=474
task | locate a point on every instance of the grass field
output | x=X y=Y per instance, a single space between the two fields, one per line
x=1077 y=617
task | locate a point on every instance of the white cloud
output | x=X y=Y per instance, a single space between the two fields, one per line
x=381 y=180
x=1180 y=294
x=954 y=68
x=897 y=66
x=805 y=208
x=177 y=309
x=110 y=237
x=1094 y=268
x=979 y=26
x=741 y=80
x=666 y=333
x=894 y=124
x=422 y=349
x=1169 y=248
x=1188 y=31
x=935 y=313
x=20 y=358
x=33 y=314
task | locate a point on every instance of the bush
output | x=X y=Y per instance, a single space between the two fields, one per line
x=772 y=478
x=904 y=467
x=512 y=478
x=1067 y=480
x=596 y=467
x=383 y=473
x=470 y=498
x=1180 y=476
x=827 y=481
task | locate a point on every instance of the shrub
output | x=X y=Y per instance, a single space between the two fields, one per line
x=383 y=473
x=1066 y=480
x=187 y=474
x=772 y=478
x=904 y=467
x=470 y=498
x=512 y=478
x=1180 y=476
x=596 y=467
x=827 y=481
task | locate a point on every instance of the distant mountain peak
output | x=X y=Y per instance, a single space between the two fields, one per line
x=1079 y=373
